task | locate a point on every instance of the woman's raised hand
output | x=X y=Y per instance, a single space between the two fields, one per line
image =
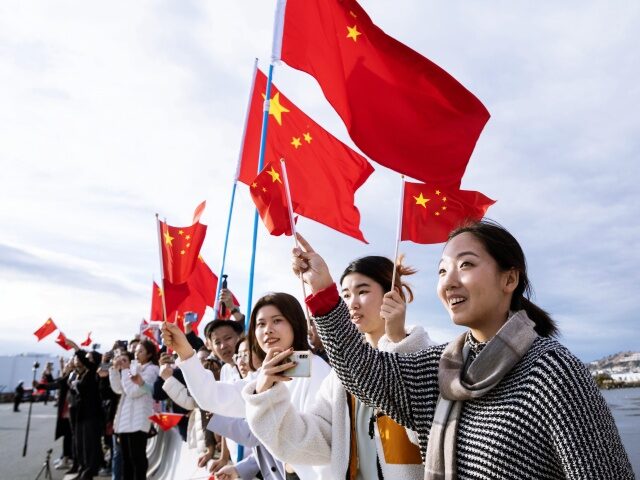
x=271 y=371
x=393 y=311
x=312 y=266
x=174 y=339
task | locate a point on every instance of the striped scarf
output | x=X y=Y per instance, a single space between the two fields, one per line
x=459 y=382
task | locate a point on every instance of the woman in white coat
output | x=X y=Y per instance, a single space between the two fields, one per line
x=131 y=422
x=357 y=441
x=277 y=323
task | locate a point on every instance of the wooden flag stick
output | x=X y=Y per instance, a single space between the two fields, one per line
x=293 y=231
x=398 y=233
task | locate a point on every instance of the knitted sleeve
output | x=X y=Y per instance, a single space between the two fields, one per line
x=585 y=437
x=404 y=386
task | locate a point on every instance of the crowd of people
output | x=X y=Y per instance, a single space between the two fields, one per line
x=502 y=400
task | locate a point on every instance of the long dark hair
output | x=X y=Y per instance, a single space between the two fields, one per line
x=508 y=254
x=380 y=270
x=291 y=310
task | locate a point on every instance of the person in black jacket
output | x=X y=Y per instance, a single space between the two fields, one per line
x=89 y=415
x=17 y=397
x=63 y=427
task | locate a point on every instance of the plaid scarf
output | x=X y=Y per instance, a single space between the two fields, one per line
x=459 y=382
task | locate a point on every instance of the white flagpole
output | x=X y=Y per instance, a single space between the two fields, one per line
x=293 y=227
x=164 y=305
x=398 y=232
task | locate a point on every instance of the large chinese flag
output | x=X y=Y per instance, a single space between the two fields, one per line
x=268 y=194
x=400 y=108
x=156 y=303
x=323 y=172
x=430 y=212
x=180 y=250
x=46 y=329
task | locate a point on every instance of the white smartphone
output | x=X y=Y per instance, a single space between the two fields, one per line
x=133 y=368
x=303 y=364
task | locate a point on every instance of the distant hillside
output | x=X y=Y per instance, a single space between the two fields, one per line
x=622 y=361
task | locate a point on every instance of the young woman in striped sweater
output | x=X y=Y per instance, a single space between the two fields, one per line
x=359 y=442
x=502 y=400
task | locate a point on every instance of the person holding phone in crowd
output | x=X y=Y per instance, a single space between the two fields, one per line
x=277 y=324
x=502 y=400
x=131 y=422
x=358 y=441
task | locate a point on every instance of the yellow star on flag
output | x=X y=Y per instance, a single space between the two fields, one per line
x=444 y=199
x=168 y=238
x=275 y=176
x=188 y=237
x=276 y=109
x=182 y=252
x=254 y=185
x=353 y=32
x=180 y=232
x=437 y=192
x=295 y=141
x=264 y=190
x=421 y=200
x=159 y=292
x=307 y=137
x=437 y=214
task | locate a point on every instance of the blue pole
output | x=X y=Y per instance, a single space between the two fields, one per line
x=224 y=250
x=263 y=143
x=216 y=302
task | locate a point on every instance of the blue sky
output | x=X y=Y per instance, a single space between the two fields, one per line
x=112 y=112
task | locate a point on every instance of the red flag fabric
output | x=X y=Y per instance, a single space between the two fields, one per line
x=149 y=332
x=323 y=172
x=156 y=303
x=46 y=329
x=193 y=296
x=431 y=212
x=62 y=341
x=198 y=211
x=180 y=250
x=267 y=192
x=401 y=109
x=166 y=420
x=87 y=342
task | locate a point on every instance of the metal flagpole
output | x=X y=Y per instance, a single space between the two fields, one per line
x=398 y=232
x=263 y=143
x=216 y=304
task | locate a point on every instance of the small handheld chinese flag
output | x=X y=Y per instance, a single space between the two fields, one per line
x=88 y=341
x=180 y=250
x=166 y=420
x=62 y=341
x=46 y=329
x=431 y=212
x=267 y=192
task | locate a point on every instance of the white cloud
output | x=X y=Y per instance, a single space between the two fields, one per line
x=114 y=112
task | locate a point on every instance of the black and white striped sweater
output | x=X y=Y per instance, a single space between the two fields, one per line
x=546 y=419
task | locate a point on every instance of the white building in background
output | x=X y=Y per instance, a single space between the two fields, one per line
x=627 y=377
x=20 y=367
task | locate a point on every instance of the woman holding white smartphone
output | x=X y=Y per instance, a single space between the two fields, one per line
x=277 y=324
x=357 y=441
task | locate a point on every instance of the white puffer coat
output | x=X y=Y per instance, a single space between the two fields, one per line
x=136 y=401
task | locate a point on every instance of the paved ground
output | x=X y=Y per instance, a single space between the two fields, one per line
x=13 y=466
